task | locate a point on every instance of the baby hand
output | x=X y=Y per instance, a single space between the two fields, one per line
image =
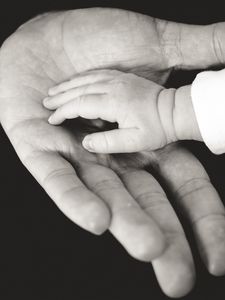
x=114 y=96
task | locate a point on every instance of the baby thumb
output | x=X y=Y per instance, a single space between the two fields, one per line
x=113 y=141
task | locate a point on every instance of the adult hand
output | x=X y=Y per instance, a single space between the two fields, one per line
x=92 y=190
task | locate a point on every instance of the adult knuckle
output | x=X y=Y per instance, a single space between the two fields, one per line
x=192 y=186
x=76 y=189
x=55 y=174
x=106 y=185
x=151 y=199
x=211 y=218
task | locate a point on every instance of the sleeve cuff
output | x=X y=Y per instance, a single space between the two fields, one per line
x=208 y=98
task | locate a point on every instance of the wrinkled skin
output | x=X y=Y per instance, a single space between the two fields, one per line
x=99 y=191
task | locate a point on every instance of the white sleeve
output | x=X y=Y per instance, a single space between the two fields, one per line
x=208 y=98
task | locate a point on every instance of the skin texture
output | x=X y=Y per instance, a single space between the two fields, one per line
x=148 y=116
x=100 y=191
x=125 y=98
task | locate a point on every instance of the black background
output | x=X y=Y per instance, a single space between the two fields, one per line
x=45 y=256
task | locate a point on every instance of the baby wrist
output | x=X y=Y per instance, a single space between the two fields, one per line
x=184 y=118
x=165 y=108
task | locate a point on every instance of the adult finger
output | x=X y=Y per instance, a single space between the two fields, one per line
x=200 y=202
x=74 y=199
x=85 y=78
x=174 y=269
x=131 y=226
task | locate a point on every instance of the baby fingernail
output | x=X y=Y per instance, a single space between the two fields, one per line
x=87 y=143
x=50 y=120
x=45 y=101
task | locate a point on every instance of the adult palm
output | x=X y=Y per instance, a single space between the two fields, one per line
x=99 y=191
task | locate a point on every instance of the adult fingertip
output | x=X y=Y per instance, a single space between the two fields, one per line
x=98 y=221
x=175 y=270
x=147 y=243
x=176 y=281
x=150 y=249
x=181 y=290
x=217 y=269
x=216 y=263
x=180 y=284
x=97 y=228
x=211 y=233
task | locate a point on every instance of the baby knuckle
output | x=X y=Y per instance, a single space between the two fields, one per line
x=78 y=104
x=106 y=185
x=115 y=72
x=130 y=142
x=80 y=100
x=119 y=87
